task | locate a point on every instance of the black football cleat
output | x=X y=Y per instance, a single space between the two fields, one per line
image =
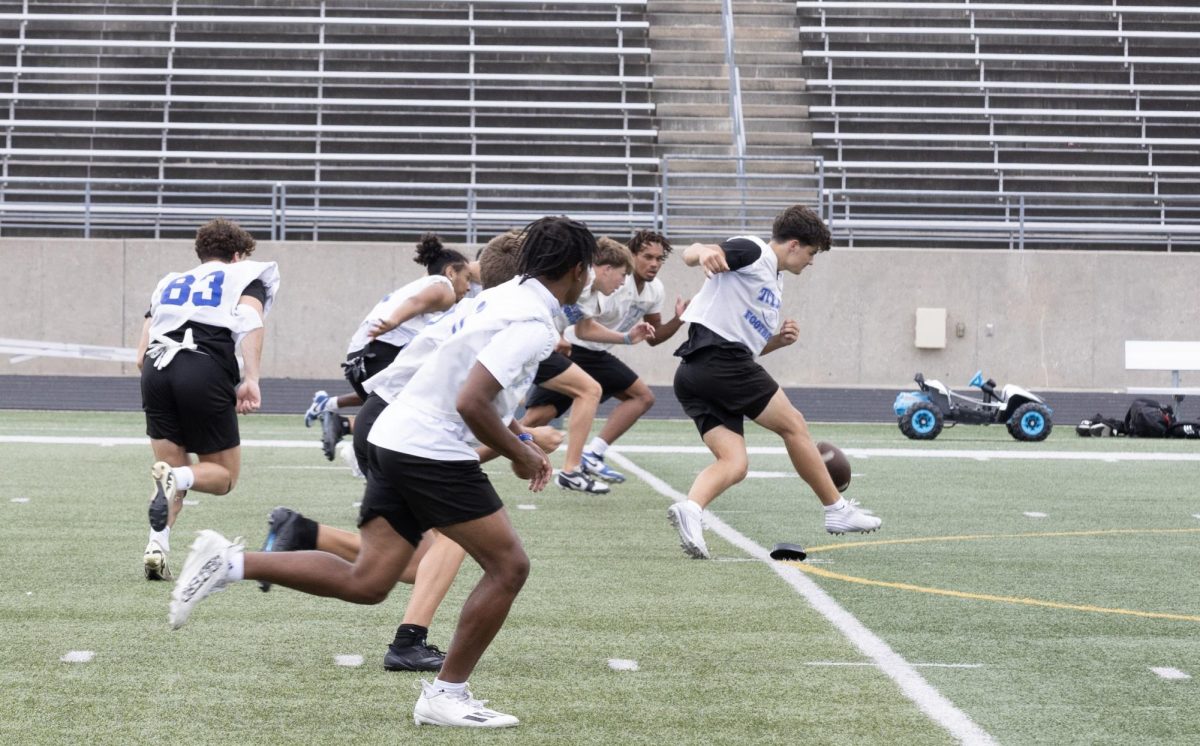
x=419 y=656
x=281 y=535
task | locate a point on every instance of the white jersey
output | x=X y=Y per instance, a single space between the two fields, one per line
x=509 y=330
x=210 y=294
x=620 y=311
x=404 y=333
x=389 y=382
x=742 y=305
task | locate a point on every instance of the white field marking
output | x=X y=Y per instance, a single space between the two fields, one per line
x=735 y=559
x=191 y=502
x=78 y=656
x=916 y=665
x=526 y=506
x=1195 y=515
x=1034 y=514
x=307 y=468
x=350 y=660
x=1170 y=673
x=20 y=500
x=862 y=453
x=356 y=505
x=770 y=474
x=622 y=664
x=932 y=702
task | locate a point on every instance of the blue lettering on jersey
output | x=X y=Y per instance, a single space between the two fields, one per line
x=767 y=296
x=757 y=325
x=573 y=313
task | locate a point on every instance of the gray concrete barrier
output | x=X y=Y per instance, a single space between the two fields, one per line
x=1040 y=319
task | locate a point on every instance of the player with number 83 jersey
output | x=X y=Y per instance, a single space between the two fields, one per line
x=190 y=378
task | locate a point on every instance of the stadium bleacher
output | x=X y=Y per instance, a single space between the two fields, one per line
x=360 y=120
x=955 y=121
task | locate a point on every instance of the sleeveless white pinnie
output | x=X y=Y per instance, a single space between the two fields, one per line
x=742 y=305
x=404 y=333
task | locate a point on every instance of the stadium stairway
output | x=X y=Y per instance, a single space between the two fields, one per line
x=691 y=96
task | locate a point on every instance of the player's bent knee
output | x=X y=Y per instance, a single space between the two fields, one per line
x=513 y=573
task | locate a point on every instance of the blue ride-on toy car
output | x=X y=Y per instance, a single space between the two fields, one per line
x=923 y=413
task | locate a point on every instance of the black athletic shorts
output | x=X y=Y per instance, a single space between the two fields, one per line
x=415 y=494
x=362 y=364
x=363 y=422
x=192 y=402
x=552 y=367
x=719 y=387
x=613 y=376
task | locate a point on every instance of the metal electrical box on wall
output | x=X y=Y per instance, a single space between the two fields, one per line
x=931 y=328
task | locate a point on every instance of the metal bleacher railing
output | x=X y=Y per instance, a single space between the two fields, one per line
x=139 y=116
x=941 y=119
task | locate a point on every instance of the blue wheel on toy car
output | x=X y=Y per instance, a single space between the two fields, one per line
x=1030 y=422
x=922 y=421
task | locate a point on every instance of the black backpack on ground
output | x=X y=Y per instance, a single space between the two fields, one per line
x=1147 y=418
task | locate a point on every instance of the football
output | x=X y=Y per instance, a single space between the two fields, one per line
x=837 y=464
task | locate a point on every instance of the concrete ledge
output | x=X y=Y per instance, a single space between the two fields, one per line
x=292 y=396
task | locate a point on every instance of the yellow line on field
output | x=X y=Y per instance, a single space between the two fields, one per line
x=812 y=570
x=977 y=537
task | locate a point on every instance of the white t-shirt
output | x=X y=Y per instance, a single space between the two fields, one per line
x=404 y=333
x=389 y=382
x=509 y=330
x=620 y=311
x=742 y=305
x=210 y=294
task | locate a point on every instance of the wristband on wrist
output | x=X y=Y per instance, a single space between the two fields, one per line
x=525 y=437
x=628 y=339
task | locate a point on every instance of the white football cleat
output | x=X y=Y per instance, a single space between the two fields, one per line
x=346 y=451
x=439 y=707
x=204 y=572
x=685 y=517
x=851 y=519
x=320 y=400
x=154 y=562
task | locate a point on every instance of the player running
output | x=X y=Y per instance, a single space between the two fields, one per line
x=734 y=319
x=189 y=371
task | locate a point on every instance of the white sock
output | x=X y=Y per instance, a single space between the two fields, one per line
x=163 y=538
x=184 y=477
x=446 y=686
x=598 y=446
x=693 y=506
x=237 y=567
x=839 y=505
x=331 y=404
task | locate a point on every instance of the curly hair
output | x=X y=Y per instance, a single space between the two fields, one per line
x=643 y=238
x=222 y=240
x=499 y=257
x=435 y=257
x=612 y=253
x=802 y=224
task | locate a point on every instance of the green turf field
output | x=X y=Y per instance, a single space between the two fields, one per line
x=1072 y=578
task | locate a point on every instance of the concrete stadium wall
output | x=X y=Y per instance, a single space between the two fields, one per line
x=1050 y=320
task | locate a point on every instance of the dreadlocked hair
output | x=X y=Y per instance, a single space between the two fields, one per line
x=436 y=257
x=551 y=246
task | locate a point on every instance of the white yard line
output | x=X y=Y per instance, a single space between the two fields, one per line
x=1173 y=674
x=914 y=665
x=935 y=705
x=1019 y=455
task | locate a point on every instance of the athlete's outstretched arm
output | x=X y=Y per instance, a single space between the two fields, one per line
x=593 y=331
x=434 y=298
